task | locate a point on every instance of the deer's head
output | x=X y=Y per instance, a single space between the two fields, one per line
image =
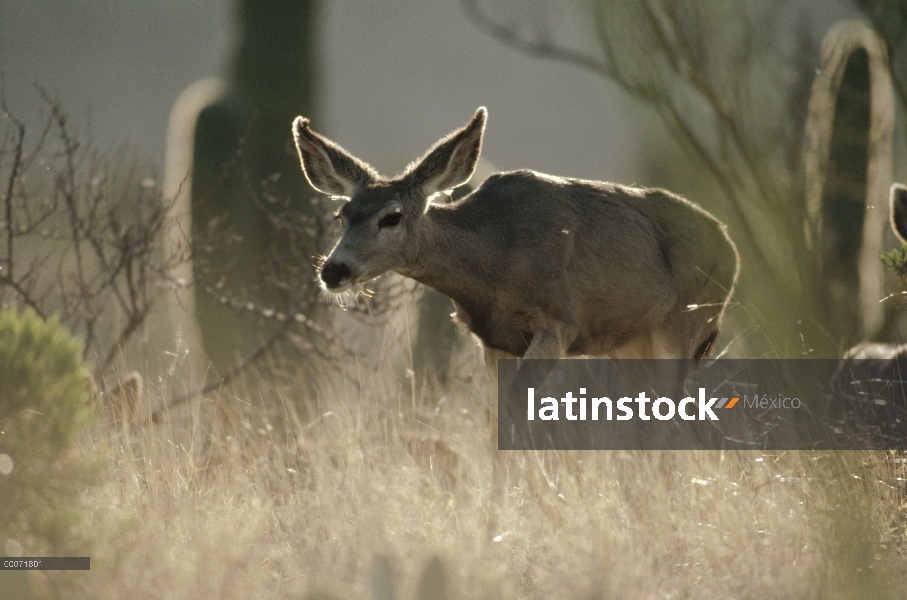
x=381 y=217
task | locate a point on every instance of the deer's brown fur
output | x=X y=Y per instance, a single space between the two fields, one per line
x=538 y=266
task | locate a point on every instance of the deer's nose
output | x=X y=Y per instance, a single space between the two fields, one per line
x=333 y=273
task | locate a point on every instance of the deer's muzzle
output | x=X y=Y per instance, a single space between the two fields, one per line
x=334 y=274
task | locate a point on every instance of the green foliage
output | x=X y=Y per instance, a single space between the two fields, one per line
x=42 y=371
x=44 y=403
x=896 y=261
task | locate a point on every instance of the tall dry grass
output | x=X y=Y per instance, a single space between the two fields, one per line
x=257 y=493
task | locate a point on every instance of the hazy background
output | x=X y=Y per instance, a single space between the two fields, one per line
x=393 y=77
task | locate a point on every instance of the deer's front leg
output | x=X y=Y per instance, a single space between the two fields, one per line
x=550 y=339
x=491 y=363
x=548 y=342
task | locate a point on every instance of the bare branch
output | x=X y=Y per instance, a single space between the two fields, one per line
x=227 y=377
x=542 y=49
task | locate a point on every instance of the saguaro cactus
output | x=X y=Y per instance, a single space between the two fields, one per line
x=848 y=171
x=241 y=140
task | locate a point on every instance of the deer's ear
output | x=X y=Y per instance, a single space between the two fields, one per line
x=452 y=160
x=899 y=211
x=328 y=167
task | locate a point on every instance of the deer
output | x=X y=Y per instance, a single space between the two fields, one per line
x=537 y=266
x=891 y=353
x=871 y=364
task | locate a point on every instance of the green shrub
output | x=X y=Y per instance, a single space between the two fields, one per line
x=896 y=260
x=44 y=403
x=41 y=369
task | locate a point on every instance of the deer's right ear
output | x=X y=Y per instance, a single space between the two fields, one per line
x=899 y=211
x=328 y=167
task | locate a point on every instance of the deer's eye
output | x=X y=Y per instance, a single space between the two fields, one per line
x=390 y=220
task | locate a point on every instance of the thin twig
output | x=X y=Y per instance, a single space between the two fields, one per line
x=227 y=377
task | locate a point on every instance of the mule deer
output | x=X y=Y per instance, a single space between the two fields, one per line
x=875 y=350
x=537 y=266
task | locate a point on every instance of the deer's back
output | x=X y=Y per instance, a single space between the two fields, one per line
x=608 y=258
x=581 y=230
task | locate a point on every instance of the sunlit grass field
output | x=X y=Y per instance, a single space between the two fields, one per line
x=266 y=491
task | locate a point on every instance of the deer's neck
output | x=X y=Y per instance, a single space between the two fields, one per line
x=447 y=257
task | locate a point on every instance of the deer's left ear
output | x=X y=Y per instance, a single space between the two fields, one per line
x=452 y=160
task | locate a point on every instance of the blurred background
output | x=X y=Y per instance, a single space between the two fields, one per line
x=391 y=78
x=713 y=104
